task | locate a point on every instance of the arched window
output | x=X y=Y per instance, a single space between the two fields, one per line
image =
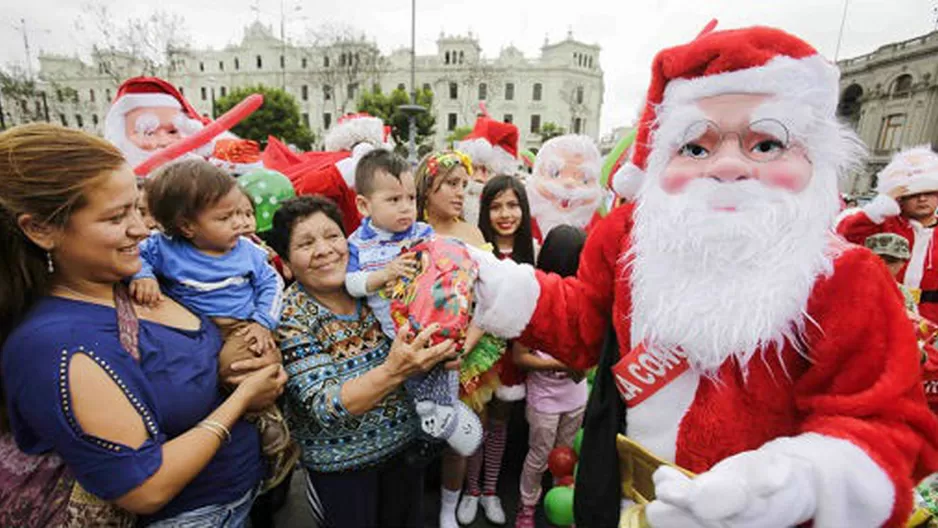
x=902 y=86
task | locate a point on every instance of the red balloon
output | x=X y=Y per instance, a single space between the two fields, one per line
x=561 y=461
x=565 y=481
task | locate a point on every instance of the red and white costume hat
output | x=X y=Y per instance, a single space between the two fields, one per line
x=491 y=143
x=142 y=92
x=352 y=129
x=916 y=168
x=756 y=60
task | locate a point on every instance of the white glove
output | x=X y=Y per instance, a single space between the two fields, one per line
x=348 y=165
x=506 y=294
x=753 y=489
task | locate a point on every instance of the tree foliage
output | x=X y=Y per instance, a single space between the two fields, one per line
x=21 y=97
x=387 y=107
x=279 y=116
x=551 y=130
x=458 y=134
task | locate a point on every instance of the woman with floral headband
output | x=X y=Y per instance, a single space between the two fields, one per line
x=441 y=181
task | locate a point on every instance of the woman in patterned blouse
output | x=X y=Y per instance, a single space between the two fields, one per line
x=345 y=401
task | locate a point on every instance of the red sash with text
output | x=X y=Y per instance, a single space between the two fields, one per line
x=640 y=373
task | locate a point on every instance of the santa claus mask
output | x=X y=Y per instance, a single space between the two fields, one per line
x=149 y=129
x=732 y=225
x=565 y=186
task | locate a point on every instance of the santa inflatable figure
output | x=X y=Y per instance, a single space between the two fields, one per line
x=908 y=197
x=742 y=340
x=493 y=147
x=148 y=114
x=564 y=187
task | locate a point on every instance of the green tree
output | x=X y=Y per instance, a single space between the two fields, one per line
x=387 y=107
x=458 y=134
x=279 y=116
x=551 y=130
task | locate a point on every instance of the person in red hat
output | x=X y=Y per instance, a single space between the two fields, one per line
x=741 y=339
x=493 y=147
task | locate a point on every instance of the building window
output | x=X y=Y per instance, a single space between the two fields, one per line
x=223 y=91
x=325 y=62
x=221 y=65
x=326 y=120
x=350 y=90
x=304 y=92
x=535 y=123
x=327 y=92
x=401 y=87
x=453 y=90
x=201 y=66
x=24 y=107
x=38 y=108
x=306 y=120
x=63 y=119
x=260 y=62
x=204 y=93
x=283 y=62
x=107 y=94
x=94 y=119
x=462 y=57
x=510 y=92
x=902 y=86
x=446 y=59
x=427 y=87
x=75 y=96
x=483 y=91
x=91 y=95
x=58 y=94
x=579 y=95
x=591 y=61
x=451 y=122
x=577 y=125
x=79 y=122
x=509 y=118
x=891 y=132
x=537 y=92
x=237 y=64
x=303 y=63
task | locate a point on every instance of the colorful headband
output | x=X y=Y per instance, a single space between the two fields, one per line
x=448 y=160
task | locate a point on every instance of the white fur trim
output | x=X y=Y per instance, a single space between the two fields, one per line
x=510 y=393
x=506 y=295
x=851 y=489
x=114 y=121
x=347 y=134
x=628 y=180
x=916 y=168
x=812 y=79
x=882 y=207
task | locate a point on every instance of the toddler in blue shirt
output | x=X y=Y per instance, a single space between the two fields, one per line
x=387 y=198
x=201 y=260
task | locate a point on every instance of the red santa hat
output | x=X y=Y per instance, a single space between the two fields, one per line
x=916 y=168
x=491 y=143
x=142 y=92
x=352 y=129
x=756 y=60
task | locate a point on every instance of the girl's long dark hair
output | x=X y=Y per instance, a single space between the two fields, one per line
x=561 y=251
x=522 y=249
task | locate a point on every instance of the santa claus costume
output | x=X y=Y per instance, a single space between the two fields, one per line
x=910 y=173
x=493 y=147
x=756 y=349
x=564 y=187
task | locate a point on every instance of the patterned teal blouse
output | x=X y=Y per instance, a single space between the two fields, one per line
x=321 y=351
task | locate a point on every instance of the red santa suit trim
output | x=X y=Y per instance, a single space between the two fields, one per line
x=857 y=396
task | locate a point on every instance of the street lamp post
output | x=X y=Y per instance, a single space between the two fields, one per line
x=413 y=109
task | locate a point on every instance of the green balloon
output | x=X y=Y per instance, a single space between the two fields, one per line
x=558 y=505
x=578 y=441
x=267 y=189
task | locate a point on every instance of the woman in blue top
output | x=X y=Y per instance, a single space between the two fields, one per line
x=127 y=397
x=345 y=401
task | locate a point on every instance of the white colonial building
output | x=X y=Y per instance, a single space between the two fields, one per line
x=564 y=85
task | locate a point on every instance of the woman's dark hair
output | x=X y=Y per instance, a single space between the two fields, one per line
x=522 y=249
x=292 y=212
x=45 y=172
x=178 y=192
x=561 y=251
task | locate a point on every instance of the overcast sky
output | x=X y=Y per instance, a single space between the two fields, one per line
x=629 y=32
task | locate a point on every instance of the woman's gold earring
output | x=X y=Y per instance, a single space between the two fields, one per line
x=50 y=266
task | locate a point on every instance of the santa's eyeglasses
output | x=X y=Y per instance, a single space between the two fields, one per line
x=761 y=141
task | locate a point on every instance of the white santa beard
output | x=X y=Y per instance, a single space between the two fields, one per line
x=547 y=214
x=472 y=202
x=721 y=285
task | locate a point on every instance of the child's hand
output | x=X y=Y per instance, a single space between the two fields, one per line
x=260 y=340
x=403 y=266
x=146 y=292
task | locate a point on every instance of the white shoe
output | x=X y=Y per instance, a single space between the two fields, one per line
x=492 y=506
x=468 y=508
x=467 y=435
x=448 y=520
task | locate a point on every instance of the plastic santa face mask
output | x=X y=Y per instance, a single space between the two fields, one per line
x=151 y=128
x=734 y=142
x=568 y=180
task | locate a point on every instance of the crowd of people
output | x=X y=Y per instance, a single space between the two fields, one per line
x=177 y=344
